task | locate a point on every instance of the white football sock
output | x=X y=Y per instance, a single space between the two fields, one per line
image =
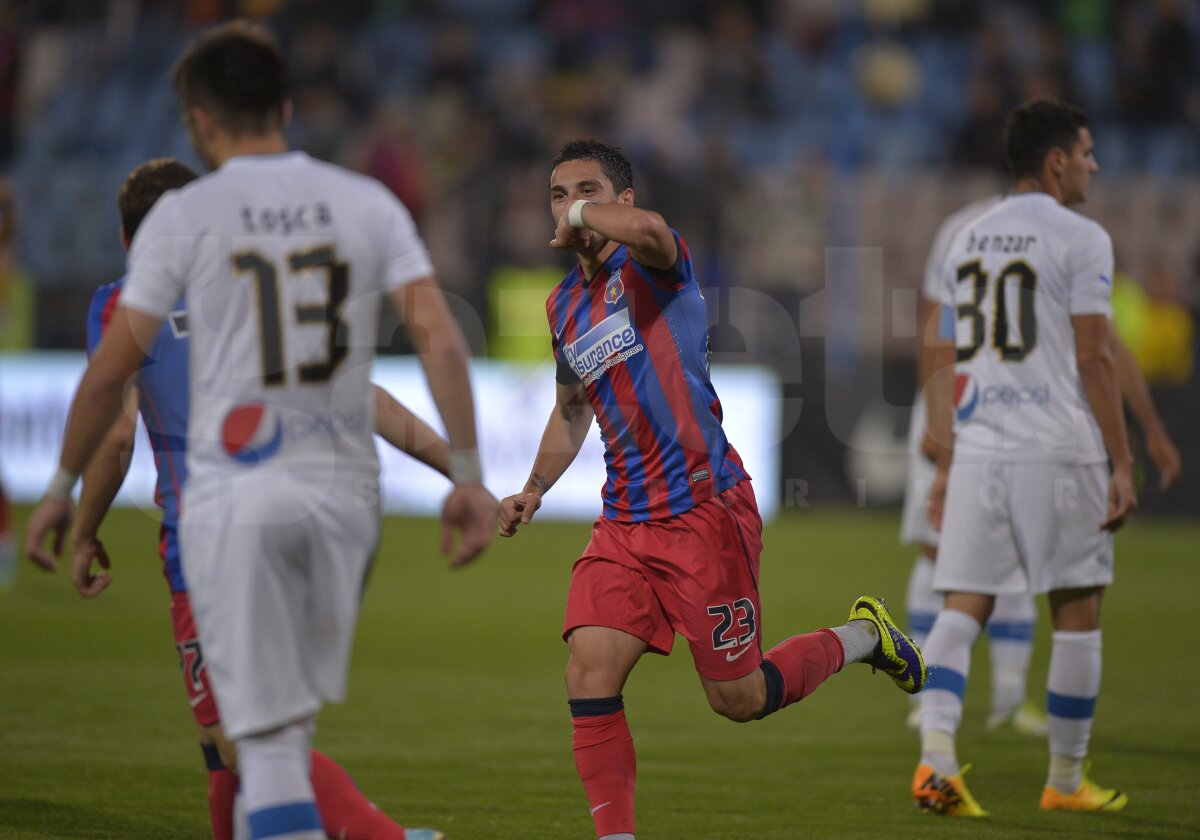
x=1071 y=690
x=948 y=658
x=1010 y=647
x=276 y=788
x=922 y=604
x=858 y=637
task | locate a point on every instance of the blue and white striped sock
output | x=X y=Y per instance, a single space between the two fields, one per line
x=948 y=658
x=921 y=602
x=276 y=789
x=1071 y=690
x=1010 y=647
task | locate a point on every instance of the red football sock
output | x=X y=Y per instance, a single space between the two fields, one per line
x=345 y=812
x=606 y=762
x=222 y=788
x=804 y=662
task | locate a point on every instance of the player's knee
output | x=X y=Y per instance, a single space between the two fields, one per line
x=739 y=708
x=585 y=679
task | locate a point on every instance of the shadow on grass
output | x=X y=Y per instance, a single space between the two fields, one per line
x=23 y=817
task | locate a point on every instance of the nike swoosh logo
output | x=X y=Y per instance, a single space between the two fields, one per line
x=731 y=656
x=196 y=701
x=598 y=807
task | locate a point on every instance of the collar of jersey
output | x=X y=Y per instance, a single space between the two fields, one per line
x=585 y=281
x=289 y=156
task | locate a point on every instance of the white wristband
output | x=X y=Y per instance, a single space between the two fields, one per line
x=575 y=214
x=465 y=467
x=62 y=484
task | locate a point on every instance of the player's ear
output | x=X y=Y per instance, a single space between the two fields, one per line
x=1057 y=160
x=626 y=196
x=124 y=238
x=202 y=121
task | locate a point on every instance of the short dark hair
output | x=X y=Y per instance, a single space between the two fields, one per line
x=145 y=185
x=613 y=163
x=1036 y=127
x=237 y=73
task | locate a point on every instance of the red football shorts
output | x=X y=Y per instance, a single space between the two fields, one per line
x=695 y=574
x=191 y=660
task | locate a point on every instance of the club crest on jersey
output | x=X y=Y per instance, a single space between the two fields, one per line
x=966 y=395
x=610 y=342
x=251 y=433
x=615 y=288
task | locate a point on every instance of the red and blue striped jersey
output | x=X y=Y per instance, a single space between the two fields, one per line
x=637 y=338
x=163 y=404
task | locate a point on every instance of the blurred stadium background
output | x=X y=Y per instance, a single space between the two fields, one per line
x=807 y=149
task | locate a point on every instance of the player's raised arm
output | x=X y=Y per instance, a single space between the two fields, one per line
x=645 y=232
x=470 y=508
x=564 y=435
x=1159 y=446
x=1097 y=373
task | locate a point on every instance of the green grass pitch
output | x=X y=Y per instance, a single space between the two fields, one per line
x=457 y=715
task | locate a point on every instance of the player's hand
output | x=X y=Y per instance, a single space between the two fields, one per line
x=51 y=516
x=471 y=510
x=936 y=505
x=1122 y=500
x=1166 y=458
x=518 y=509
x=568 y=238
x=85 y=550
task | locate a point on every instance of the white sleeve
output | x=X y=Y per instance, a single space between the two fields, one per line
x=405 y=256
x=1089 y=266
x=158 y=259
x=933 y=286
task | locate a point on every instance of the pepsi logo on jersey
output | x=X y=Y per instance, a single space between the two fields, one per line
x=968 y=397
x=251 y=433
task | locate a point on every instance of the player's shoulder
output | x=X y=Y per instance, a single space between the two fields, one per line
x=1078 y=230
x=106 y=293
x=964 y=215
x=562 y=287
x=348 y=182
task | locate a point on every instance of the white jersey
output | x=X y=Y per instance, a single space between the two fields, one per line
x=1014 y=275
x=931 y=286
x=282 y=260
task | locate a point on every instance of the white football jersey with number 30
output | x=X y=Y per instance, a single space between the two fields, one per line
x=1012 y=277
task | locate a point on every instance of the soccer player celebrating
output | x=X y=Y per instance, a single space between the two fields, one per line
x=677 y=547
x=161 y=395
x=1023 y=497
x=283 y=262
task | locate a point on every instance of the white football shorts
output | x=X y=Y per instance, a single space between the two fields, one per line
x=1024 y=527
x=275 y=565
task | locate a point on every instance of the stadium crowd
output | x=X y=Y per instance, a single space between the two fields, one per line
x=770 y=130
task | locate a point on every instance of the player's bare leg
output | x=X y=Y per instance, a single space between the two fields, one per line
x=600 y=661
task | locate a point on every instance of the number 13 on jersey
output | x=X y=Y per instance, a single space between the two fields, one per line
x=266 y=276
